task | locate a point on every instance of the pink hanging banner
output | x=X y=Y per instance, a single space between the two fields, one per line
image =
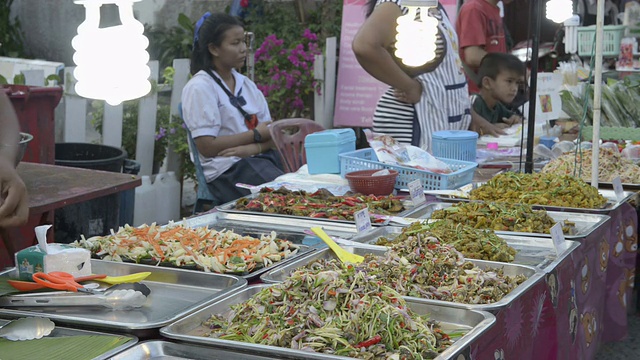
x=357 y=92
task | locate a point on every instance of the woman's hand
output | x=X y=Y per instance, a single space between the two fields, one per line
x=14 y=206
x=241 y=151
x=410 y=95
x=263 y=129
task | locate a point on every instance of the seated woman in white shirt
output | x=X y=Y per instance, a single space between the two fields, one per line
x=227 y=115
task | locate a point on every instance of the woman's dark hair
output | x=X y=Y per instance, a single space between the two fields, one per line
x=211 y=32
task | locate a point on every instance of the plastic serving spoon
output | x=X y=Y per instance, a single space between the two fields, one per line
x=343 y=255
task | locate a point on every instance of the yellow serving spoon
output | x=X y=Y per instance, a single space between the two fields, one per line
x=343 y=255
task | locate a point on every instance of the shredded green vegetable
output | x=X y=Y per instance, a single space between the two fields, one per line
x=342 y=312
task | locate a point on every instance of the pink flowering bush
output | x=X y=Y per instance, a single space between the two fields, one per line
x=284 y=74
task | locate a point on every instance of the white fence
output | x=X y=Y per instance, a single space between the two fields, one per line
x=75 y=107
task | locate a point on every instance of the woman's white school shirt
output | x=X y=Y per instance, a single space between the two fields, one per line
x=207 y=111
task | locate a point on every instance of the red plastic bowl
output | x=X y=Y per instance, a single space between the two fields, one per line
x=362 y=182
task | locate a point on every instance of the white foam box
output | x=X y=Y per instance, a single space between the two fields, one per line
x=59 y=257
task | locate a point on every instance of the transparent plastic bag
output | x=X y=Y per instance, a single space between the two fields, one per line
x=389 y=151
x=632 y=152
x=610 y=145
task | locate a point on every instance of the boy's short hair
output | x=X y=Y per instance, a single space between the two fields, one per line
x=493 y=64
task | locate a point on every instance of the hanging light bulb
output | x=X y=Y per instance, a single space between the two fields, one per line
x=111 y=63
x=559 y=10
x=416 y=34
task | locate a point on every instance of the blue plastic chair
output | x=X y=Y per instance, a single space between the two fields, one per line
x=203 y=195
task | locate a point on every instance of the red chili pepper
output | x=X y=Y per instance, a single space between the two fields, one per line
x=374 y=340
x=349 y=202
x=318 y=215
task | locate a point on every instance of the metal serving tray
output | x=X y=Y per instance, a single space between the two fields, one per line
x=538 y=252
x=612 y=201
x=585 y=223
x=291 y=230
x=66 y=332
x=451 y=319
x=533 y=276
x=160 y=349
x=175 y=293
x=247 y=228
x=229 y=211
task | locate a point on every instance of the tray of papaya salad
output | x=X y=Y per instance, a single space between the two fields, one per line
x=318 y=314
x=232 y=248
x=480 y=244
x=283 y=206
x=424 y=269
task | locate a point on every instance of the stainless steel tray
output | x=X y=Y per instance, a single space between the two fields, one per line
x=190 y=329
x=291 y=230
x=214 y=221
x=612 y=201
x=160 y=349
x=65 y=332
x=229 y=211
x=538 y=252
x=174 y=294
x=585 y=223
x=533 y=276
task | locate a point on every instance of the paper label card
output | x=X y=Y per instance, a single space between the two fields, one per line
x=416 y=192
x=363 y=220
x=558 y=238
x=617 y=188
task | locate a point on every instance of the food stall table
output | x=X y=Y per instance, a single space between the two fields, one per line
x=586 y=296
x=52 y=187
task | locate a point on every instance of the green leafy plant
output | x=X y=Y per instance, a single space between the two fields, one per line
x=166 y=44
x=11 y=37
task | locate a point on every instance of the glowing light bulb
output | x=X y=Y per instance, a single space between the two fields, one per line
x=559 y=10
x=416 y=37
x=111 y=63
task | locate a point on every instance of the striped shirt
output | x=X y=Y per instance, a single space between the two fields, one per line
x=445 y=102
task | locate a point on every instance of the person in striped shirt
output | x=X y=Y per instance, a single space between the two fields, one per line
x=421 y=100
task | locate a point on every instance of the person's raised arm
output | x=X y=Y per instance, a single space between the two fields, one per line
x=14 y=208
x=370 y=44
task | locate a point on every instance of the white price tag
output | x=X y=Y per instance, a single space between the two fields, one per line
x=363 y=220
x=416 y=192
x=558 y=238
x=617 y=188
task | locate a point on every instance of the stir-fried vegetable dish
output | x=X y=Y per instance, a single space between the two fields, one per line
x=540 y=189
x=341 y=311
x=471 y=242
x=320 y=204
x=501 y=217
x=176 y=245
x=611 y=165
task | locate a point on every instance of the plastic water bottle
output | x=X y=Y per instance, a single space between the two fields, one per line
x=144 y=211
x=168 y=197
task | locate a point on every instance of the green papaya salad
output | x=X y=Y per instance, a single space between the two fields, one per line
x=343 y=312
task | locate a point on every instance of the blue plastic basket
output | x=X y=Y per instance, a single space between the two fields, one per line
x=455 y=144
x=366 y=159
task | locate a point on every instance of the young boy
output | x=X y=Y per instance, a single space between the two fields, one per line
x=500 y=75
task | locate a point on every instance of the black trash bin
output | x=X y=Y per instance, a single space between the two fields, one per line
x=97 y=216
